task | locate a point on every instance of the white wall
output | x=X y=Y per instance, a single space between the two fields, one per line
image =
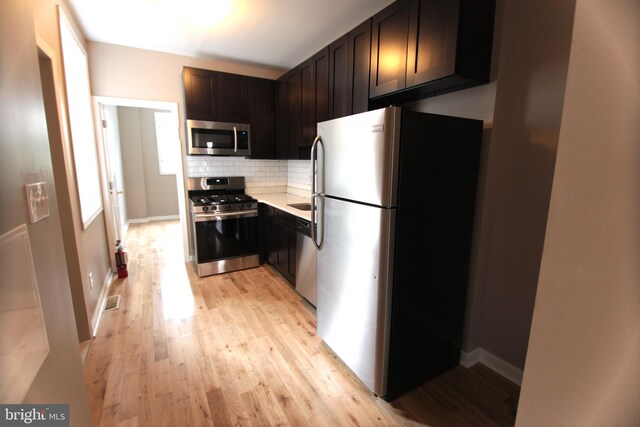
x=583 y=364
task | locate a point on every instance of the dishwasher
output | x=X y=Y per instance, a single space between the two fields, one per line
x=305 y=261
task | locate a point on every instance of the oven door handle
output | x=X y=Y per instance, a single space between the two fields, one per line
x=220 y=216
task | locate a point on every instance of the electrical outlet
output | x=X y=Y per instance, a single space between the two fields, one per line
x=91 y=280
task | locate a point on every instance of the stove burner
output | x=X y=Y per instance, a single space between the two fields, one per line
x=219 y=195
x=204 y=203
x=221 y=199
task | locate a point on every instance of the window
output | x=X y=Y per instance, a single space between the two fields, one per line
x=83 y=140
x=167 y=141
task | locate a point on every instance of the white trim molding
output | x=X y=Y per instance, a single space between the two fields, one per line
x=97 y=314
x=493 y=362
x=151 y=218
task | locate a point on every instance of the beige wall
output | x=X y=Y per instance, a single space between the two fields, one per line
x=24 y=158
x=583 y=364
x=124 y=72
x=132 y=163
x=147 y=193
x=87 y=251
x=162 y=195
x=535 y=43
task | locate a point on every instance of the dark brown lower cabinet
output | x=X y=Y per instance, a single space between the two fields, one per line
x=278 y=240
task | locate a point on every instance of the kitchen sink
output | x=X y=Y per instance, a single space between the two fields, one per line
x=301 y=206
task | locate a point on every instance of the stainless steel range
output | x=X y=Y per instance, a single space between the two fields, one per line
x=225 y=225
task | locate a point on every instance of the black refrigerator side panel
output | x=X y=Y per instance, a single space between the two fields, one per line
x=438 y=172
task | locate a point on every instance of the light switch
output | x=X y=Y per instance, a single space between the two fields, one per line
x=38 y=201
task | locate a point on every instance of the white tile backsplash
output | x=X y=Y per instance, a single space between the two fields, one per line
x=257 y=173
x=299 y=174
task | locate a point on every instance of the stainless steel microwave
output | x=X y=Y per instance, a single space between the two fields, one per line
x=218 y=138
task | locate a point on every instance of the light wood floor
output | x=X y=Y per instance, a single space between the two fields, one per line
x=242 y=349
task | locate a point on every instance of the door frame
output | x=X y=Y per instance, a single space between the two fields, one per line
x=99 y=102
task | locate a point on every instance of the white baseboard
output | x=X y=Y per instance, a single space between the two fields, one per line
x=152 y=218
x=97 y=314
x=469 y=359
x=493 y=362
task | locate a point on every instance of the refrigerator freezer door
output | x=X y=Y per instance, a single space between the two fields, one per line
x=354 y=287
x=359 y=156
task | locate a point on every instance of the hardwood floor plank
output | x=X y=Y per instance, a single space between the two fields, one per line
x=241 y=349
x=218 y=407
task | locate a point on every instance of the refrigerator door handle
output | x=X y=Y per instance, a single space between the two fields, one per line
x=316 y=192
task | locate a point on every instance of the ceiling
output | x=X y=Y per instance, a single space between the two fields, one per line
x=275 y=33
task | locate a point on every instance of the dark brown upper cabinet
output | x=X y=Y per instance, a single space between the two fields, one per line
x=215 y=96
x=302 y=101
x=288 y=115
x=314 y=99
x=198 y=93
x=338 y=76
x=447 y=47
x=349 y=72
x=292 y=81
x=262 y=118
x=224 y=97
x=232 y=98
x=389 y=38
x=431 y=51
x=359 y=60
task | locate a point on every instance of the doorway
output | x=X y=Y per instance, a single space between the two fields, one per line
x=125 y=140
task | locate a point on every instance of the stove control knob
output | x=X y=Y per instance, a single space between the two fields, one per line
x=205 y=208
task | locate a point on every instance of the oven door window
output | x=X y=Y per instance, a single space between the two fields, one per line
x=226 y=238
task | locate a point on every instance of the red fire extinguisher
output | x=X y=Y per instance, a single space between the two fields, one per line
x=121 y=260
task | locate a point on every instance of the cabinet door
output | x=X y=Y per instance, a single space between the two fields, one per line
x=307 y=101
x=198 y=93
x=321 y=89
x=389 y=49
x=338 y=77
x=281 y=118
x=358 y=68
x=288 y=115
x=292 y=81
x=433 y=32
x=230 y=98
x=261 y=118
x=292 y=244
x=314 y=99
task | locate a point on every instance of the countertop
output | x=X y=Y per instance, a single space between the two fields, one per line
x=281 y=200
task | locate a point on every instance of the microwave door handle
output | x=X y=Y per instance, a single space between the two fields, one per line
x=235 y=139
x=316 y=215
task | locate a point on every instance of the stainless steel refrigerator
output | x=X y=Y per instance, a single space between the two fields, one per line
x=393 y=200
